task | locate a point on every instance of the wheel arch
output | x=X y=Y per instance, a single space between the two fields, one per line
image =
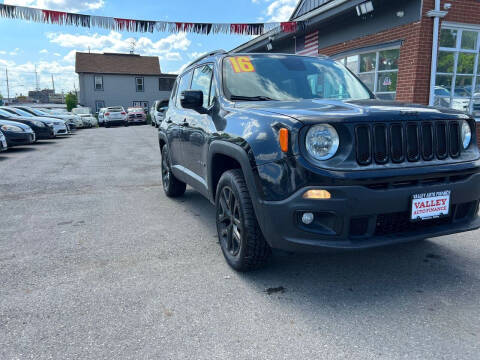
x=231 y=156
x=162 y=140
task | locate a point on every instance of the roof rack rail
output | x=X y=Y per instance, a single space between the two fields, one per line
x=220 y=51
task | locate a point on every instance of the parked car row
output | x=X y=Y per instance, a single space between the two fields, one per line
x=23 y=125
x=117 y=116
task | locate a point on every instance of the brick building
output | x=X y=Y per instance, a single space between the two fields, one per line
x=388 y=44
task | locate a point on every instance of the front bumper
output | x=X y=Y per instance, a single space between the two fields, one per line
x=60 y=129
x=116 y=122
x=17 y=139
x=359 y=216
x=3 y=144
x=44 y=133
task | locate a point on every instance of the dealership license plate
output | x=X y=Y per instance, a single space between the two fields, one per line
x=429 y=206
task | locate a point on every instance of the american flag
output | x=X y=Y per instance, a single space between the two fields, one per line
x=307 y=45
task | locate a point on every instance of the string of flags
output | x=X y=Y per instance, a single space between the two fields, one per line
x=133 y=25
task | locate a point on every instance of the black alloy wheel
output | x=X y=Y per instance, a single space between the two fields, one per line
x=240 y=236
x=229 y=222
x=171 y=185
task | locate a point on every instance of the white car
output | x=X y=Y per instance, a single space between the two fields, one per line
x=101 y=116
x=157 y=112
x=115 y=115
x=58 y=125
x=86 y=115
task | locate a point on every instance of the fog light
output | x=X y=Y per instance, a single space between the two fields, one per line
x=317 y=194
x=307 y=218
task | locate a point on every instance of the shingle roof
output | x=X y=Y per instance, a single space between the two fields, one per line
x=111 y=63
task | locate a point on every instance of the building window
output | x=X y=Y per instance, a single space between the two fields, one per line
x=139 y=84
x=457 y=77
x=165 y=84
x=99 y=104
x=98 y=83
x=378 y=70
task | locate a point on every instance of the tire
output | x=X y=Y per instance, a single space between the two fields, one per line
x=171 y=185
x=126 y=124
x=107 y=125
x=241 y=239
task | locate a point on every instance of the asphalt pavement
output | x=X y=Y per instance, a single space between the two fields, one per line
x=96 y=263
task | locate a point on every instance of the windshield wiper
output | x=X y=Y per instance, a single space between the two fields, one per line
x=251 y=98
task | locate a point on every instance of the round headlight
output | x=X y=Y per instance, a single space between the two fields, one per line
x=466 y=134
x=11 y=128
x=322 y=141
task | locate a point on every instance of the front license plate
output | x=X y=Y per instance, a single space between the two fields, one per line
x=430 y=205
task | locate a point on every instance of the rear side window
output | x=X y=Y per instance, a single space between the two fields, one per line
x=183 y=85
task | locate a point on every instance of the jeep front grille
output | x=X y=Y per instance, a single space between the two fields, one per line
x=412 y=141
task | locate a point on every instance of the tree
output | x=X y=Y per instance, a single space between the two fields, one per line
x=71 y=101
x=1 y=100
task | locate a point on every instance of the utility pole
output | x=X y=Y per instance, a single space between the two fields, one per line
x=8 y=87
x=53 y=85
x=36 y=78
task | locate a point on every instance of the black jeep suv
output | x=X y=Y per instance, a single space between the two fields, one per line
x=297 y=154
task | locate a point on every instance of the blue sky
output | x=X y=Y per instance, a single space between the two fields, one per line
x=51 y=48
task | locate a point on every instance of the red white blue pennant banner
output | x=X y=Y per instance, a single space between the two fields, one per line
x=132 y=25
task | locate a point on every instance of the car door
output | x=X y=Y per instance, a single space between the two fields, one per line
x=175 y=121
x=199 y=125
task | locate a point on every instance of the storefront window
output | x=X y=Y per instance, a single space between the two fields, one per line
x=378 y=71
x=458 y=69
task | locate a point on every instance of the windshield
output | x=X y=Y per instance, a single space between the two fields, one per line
x=7 y=113
x=80 y=111
x=286 y=77
x=114 y=109
x=34 y=111
x=18 y=112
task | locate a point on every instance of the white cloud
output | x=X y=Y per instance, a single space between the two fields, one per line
x=43 y=51
x=57 y=54
x=22 y=76
x=280 y=10
x=196 y=54
x=14 y=52
x=61 y=5
x=167 y=48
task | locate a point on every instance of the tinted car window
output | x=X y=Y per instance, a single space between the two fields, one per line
x=183 y=85
x=202 y=79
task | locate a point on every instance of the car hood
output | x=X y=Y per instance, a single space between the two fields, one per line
x=47 y=119
x=312 y=111
x=14 y=123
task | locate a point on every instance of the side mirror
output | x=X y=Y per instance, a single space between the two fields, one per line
x=192 y=99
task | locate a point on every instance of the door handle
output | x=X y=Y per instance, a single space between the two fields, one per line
x=169 y=121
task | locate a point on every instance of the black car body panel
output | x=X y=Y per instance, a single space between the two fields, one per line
x=370 y=199
x=13 y=138
x=41 y=132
